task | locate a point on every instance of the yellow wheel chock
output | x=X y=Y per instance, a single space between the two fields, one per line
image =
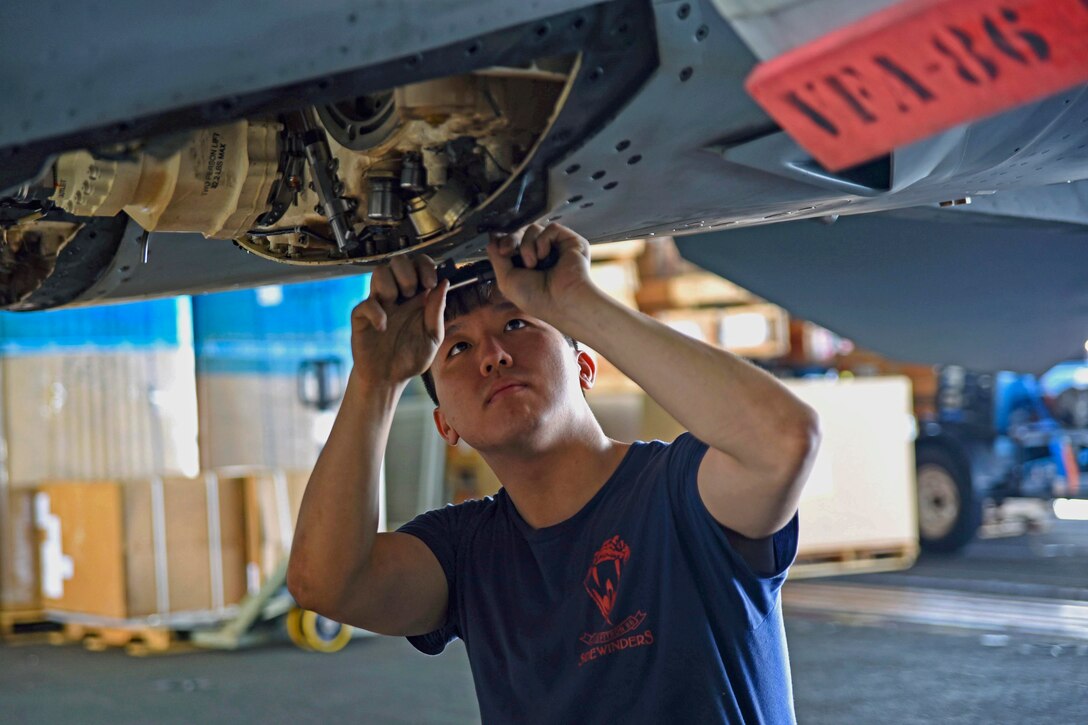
x=310 y=631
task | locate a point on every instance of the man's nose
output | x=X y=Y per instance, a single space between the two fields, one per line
x=494 y=356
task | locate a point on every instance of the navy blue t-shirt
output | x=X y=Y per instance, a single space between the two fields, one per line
x=635 y=609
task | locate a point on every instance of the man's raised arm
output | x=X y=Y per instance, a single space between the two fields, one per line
x=340 y=566
x=762 y=438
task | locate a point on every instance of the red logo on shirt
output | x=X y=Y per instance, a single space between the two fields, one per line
x=602 y=583
x=603 y=578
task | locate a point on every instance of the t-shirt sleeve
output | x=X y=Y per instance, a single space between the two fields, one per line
x=710 y=545
x=440 y=531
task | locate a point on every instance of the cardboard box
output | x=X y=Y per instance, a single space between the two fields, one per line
x=923 y=378
x=703 y=325
x=20 y=579
x=272 y=364
x=134 y=549
x=258 y=420
x=862 y=491
x=618 y=278
x=630 y=249
x=691 y=289
x=273 y=498
x=272 y=501
x=99 y=393
x=100 y=414
x=758 y=331
x=660 y=258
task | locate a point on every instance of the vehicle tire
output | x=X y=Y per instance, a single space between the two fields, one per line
x=323 y=634
x=949 y=512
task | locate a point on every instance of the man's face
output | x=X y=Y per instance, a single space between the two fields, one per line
x=503 y=376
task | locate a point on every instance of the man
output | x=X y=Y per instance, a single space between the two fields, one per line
x=606 y=581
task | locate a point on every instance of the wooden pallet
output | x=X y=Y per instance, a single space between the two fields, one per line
x=854 y=560
x=138 y=640
x=24 y=625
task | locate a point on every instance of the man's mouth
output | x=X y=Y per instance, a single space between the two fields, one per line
x=503 y=388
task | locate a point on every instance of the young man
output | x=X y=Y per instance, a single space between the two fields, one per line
x=606 y=581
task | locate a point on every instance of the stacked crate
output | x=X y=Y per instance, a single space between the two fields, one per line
x=20 y=577
x=111 y=515
x=106 y=393
x=168 y=548
x=99 y=393
x=271 y=366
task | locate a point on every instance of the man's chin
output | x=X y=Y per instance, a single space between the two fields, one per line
x=507 y=427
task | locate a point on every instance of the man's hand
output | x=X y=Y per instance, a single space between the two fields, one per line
x=393 y=341
x=340 y=565
x=545 y=294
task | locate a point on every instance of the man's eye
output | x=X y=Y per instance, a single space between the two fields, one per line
x=516 y=324
x=457 y=348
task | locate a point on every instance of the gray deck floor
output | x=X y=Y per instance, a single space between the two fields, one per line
x=842 y=674
x=845 y=671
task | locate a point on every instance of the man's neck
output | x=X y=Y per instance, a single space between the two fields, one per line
x=549 y=486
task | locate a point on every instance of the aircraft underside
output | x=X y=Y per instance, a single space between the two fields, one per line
x=623 y=119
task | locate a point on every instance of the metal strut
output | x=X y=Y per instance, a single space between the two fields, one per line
x=323 y=168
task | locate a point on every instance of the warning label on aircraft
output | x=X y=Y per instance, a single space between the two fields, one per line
x=918 y=68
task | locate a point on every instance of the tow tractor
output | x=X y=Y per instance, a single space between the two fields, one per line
x=999 y=436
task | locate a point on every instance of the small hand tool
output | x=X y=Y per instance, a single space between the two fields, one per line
x=482 y=271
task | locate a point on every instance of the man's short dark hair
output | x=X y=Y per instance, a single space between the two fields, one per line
x=462 y=301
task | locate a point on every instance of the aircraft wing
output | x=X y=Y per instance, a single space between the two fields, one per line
x=960 y=286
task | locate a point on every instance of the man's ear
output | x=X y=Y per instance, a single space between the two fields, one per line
x=444 y=428
x=587 y=370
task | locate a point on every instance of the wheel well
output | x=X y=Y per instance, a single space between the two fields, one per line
x=951 y=448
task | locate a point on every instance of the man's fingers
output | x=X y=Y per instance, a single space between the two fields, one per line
x=359 y=320
x=509 y=242
x=528 y=247
x=499 y=252
x=546 y=240
x=371 y=312
x=383 y=285
x=404 y=271
x=536 y=243
x=403 y=278
x=435 y=309
x=564 y=239
x=427 y=272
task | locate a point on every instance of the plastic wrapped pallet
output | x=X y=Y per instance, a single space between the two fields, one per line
x=859 y=507
x=272 y=501
x=272 y=363
x=20 y=587
x=273 y=498
x=126 y=550
x=99 y=393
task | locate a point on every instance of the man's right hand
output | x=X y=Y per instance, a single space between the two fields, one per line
x=389 y=583
x=393 y=341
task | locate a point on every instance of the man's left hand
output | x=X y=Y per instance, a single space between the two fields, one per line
x=548 y=293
